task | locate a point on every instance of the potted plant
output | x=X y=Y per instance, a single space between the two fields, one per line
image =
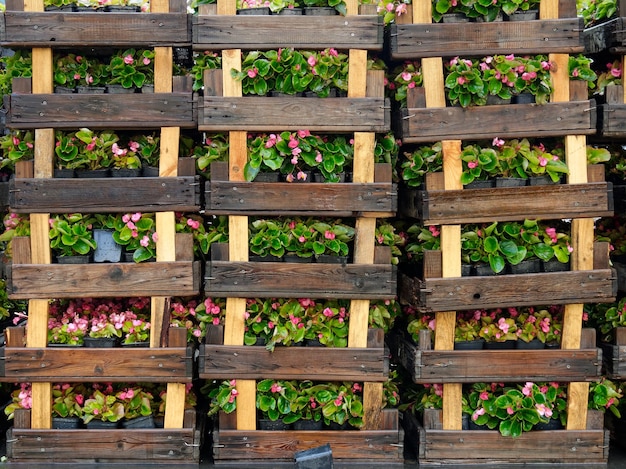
x=67 y=402
x=498 y=332
x=21 y=398
x=259 y=328
x=222 y=396
x=418 y=163
x=607 y=317
x=124 y=161
x=534 y=79
x=275 y=401
x=342 y=405
x=510 y=7
x=611 y=76
x=205 y=60
x=136 y=232
x=402 y=78
x=214 y=148
x=464 y=83
x=132 y=68
x=383 y=314
x=137 y=404
x=67 y=327
x=267 y=239
x=104 y=332
x=289 y=327
x=307 y=406
x=17 y=145
x=95 y=151
x=331 y=242
x=467 y=331
x=479 y=165
x=70 y=236
x=103 y=409
x=147 y=148
x=421 y=322
x=327 y=323
x=135 y=330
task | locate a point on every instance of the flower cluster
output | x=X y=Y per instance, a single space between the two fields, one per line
x=196 y=314
x=611 y=76
x=403 y=78
x=17 y=145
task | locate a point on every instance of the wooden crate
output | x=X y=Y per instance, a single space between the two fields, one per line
x=180 y=446
x=211 y=32
x=369 y=364
x=468 y=366
x=614 y=355
x=434 y=447
x=97 y=111
x=80 y=364
x=288 y=199
x=383 y=446
x=411 y=41
x=67 y=29
x=612 y=114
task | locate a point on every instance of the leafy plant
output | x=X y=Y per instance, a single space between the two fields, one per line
x=17 y=145
x=71 y=234
x=416 y=164
x=136 y=232
x=132 y=68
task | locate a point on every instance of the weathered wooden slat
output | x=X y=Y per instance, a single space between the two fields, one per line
x=612 y=120
x=410 y=41
x=316 y=114
x=299 y=32
x=506 y=121
x=598 y=38
x=379 y=445
x=155 y=445
x=122 y=111
x=461 y=366
x=330 y=364
x=4 y=194
x=88 y=364
x=462 y=293
x=557 y=448
x=505 y=204
x=47 y=29
x=111 y=195
x=259 y=197
x=30 y=281
x=614 y=355
x=267 y=279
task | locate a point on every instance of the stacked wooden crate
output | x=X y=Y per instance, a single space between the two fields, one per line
x=36 y=278
x=569 y=115
x=371 y=194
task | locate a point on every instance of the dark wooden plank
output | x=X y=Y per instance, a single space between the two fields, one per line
x=300 y=32
x=378 y=445
x=599 y=37
x=259 y=197
x=409 y=41
x=122 y=111
x=491 y=448
x=460 y=366
x=267 y=279
x=36 y=29
x=104 y=280
x=462 y=293
x=505 y=204
x=110 y=195
x=4 y=194
x=157 y=445
x=330 y=364
x=612 y=120
x=506 y=121
x=88 y=364
x=316 y=114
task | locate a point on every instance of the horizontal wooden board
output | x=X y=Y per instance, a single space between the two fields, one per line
x=468 y=366
x=556 y=448
x=601 y=36
x=330 y=364
x=612 y=120
x=121 y=111
x=300 y=32
x=293 y=280
x=462 y=293
x=260 y=197
x=381 y=446
x=31 y=281
x=218 y=113
x=614 y=357
x=58 y=29
x=505 y=121
x=411 y=41
x=153 y=445
x=105 y=195
x=90 y=364
x=511 y=203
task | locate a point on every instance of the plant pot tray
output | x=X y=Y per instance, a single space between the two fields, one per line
x=468 y=366
x=77 y=29
x=97 y=111
x=441 y=207
x=506 y=121
x=555 y=448
x=217 y=113
x=165 y=446
x=300 y=32
x=293 y=280
x=255 y=447
x=463 y=293
x=160 y=365
x=614 y=355
x=104 y=280
x=110 y=195
x=412 y=41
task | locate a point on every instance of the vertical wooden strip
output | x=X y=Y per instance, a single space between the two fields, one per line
x=451 y=250
x=42 y=70
x=175 y=405
x=41 y=412
x=357 y=73
x=452 y=406
x=582 y=244
x=37 y=336
x=549 y=9
x=163 y=58
x=422 y=11
x=168 y=160
x=432 y=70
x=226 y=7
x=452 y=165
x=363 y=166
x=576 y=158
x=246 y=404
x=372 y=406
x=33 y=5
x=352 y=7
x=559 y=74
x=39 y=238
x=159 y=6
x=238 y=155
x=623 y=81
x=577 y=395
x=231 y=59
x=44 y=153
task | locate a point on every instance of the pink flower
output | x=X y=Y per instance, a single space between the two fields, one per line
x=145 y=241
x=616 y=72
x=276 y=388
x=128 y=60
x=329 y=235
x=301 y=176
x=406 y=76
x=472 y=164
x=510 y=411
x=252 y=73
x=477 y=413
x=461 y=80
x=146 y=61
x=433 y=230
x=497 y=142
x=312 y=61
x=484 y=396
x=401 y=9
x=318 y=157
x=136 y=217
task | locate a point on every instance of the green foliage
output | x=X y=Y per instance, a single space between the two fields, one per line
x=71 y=234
